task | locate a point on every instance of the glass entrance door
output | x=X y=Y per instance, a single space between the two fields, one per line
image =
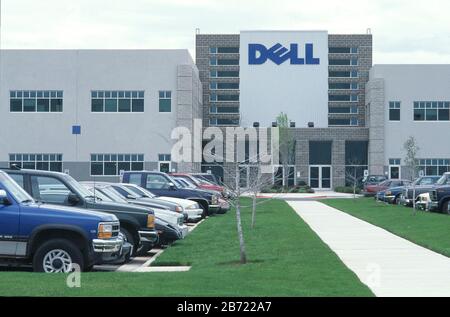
x=320 y=177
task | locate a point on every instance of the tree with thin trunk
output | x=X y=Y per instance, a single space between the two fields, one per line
x=286 y=145
x=351 y=175
x=411 y=148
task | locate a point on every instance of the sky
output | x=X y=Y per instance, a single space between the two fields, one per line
x=403 y=31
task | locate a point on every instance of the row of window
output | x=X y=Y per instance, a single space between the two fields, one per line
x=223 y=109
x=343 y=74
x=423 y=110
x=434 y=167
x=225 y=98
x=224 y=74
x=343 y=62
x=343 y=86
x=113 y=164
x=223 y=61
x=223 y=86
x=339 y=110
x=101 y=101
x=235 y=50
x=36 y=101
x=223 y=121
x=337 y=122
x=37 y=161
x=343 y=98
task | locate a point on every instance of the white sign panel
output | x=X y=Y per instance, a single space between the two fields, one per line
x=284 y=71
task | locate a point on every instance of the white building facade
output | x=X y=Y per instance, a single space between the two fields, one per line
x=94 y=113
x=404 y=101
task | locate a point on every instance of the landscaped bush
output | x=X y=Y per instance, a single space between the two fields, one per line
x=302 y=189
x=346 y=190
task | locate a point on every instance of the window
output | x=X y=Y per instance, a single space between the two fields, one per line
x=320 y=152
x=113 y=164
x=343 y=62
x=395 y=161
x=343 y=98
x=431 y=110
x=343 y=50
x=165 y=101
x=224 y=73
x=156 y=181
x=117 y=101
x=356 y=160
x=223 y=109
x=352 y=109
x=342 y=121
x=223 y=62
x=223 y=86
x=135 y=179
x=36 y=101
x=223 y=98
x=224 y=50
x=224 y=121
x=394 y=111
x=164 y=157
x=50 y=190
x=343 y=86
x=343 y=74
x=39 y=161
x=434 y=167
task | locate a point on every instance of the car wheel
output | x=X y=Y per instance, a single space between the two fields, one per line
x=57 y=256
x=445 y=207
x=128 y=237
x=143 y=249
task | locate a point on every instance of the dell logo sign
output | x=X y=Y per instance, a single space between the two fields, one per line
x=258 y=54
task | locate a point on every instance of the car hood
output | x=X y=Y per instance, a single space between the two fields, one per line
x=180 y=201
x=396 y=189
x=73 y=212
x=113 y=206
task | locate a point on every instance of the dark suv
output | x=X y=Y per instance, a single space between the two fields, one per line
x=136 y=224
x=162 y=184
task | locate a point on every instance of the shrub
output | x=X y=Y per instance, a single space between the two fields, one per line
x=346 y=190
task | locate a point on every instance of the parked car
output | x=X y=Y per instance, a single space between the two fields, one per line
x=54 y=238
x=172 y=222
x=420 y=186
x=162 y=184
x=440 y=195
x=373 y=180
x=191 y=208
x=136 y=223
x=209 y=177
x=201 y=183
x=371 y=190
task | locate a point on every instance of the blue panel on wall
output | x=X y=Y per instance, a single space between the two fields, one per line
x=76 y=129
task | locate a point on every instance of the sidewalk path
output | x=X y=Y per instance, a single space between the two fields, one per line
x=386 y=263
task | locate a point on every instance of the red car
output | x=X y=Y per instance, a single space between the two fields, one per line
x=200 y=183
x=372 y=190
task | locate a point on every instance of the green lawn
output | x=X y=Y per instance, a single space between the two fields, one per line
x=430 y=230
x=287 y=259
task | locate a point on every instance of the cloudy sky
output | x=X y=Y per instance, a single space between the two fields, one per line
x=404 y=31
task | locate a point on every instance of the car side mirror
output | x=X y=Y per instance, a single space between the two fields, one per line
x=131 y=197
x=73 y=199
x=4 y=198
x=172 y=186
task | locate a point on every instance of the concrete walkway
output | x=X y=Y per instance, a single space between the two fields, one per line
x=386 y=263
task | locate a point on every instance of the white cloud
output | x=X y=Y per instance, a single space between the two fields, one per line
x=404 y=31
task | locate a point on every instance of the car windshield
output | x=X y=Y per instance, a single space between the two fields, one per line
x=115 y=196
x=99 y=195
x=79 y=189
x=425 y=181
x=142 y=192
x=120 y=189
x=19 y=194
x=444 y=180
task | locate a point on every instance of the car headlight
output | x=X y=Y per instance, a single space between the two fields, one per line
x=214 y=200
x=388 y=193
x=105 y=231
x=151 y=221
x=193 y=206
x=179 y=209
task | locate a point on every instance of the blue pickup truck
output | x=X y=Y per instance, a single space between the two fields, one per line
x=53 y=238
x=162 y=184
